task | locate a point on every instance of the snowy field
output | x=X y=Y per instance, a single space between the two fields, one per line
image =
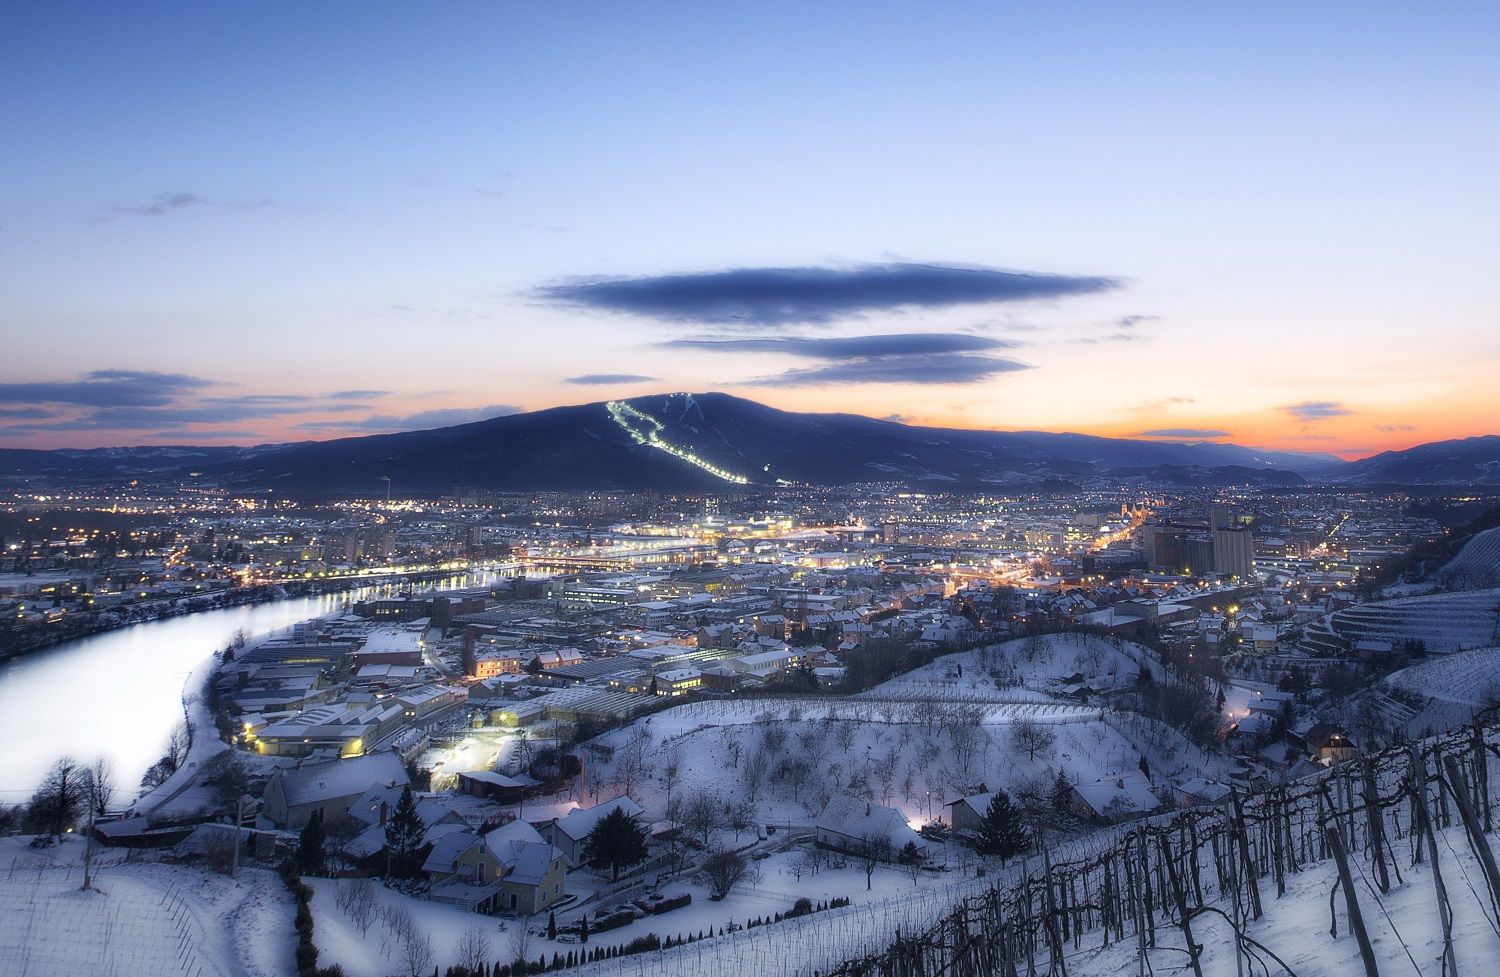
x=914 y=743
x=140 y=919
x=894 y=899
x=1477 y=564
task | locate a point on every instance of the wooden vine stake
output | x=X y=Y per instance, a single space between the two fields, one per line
x=1423 y=824
x=1458 y=787
x=1351 y=901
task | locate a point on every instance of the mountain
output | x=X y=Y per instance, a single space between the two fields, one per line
x=1463 y=461
x=684 y=441
x=704 y=441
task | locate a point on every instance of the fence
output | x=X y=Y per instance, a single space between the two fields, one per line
x=1154 y=878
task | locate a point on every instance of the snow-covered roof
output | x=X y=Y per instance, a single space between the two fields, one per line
x=579 y=823
x=340 y=778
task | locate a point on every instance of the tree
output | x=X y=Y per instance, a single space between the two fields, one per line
x=1145 y=767
x=473 y=948
x=403 y=838
x=552 y=926
x=703 y=814
x=910 y=858
x=725 y=870
x=1062 y=793
x=616 y=842
x=1032 y=738
x=100 y=788
x=416 y=949
x=1001 y=832
x=62 y=798
x=871 y=850
x=583 y=928
x=310 y=847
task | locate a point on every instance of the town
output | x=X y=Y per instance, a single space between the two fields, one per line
x=639 y=722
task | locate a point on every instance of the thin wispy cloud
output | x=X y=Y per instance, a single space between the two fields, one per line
x=842 y=347
x=1316 y=410
x=137 y=400
x=605 y=379
x=784 y=296
x=1182 y=432
x=170 y=202
x=420 y=421
x=938 y=368
x=105 y=388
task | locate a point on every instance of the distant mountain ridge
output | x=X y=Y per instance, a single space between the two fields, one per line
x=685 y=442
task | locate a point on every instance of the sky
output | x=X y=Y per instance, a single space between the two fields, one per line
x=1272 y=223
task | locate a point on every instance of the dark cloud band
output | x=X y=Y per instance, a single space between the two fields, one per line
x=781 y=296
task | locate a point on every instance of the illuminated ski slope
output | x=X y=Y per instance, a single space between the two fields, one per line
x=645 y=429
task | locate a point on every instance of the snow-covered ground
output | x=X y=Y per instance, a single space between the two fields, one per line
x=141 y=918
x=914 y=743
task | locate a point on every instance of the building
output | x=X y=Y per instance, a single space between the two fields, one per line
x=329 y=789
x=511 y=869
x=569 y=834
x=852 y=825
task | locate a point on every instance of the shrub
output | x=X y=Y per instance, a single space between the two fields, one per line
x=802 y=907
x=676 y=902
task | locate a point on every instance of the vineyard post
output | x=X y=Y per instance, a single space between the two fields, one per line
x=1351 y=901
x=1244 y=846
x=1193 y=949
x=1376 y=824
x=1458 y=786
x=1423 y=825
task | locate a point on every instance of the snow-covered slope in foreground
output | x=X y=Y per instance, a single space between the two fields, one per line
x=140 y=920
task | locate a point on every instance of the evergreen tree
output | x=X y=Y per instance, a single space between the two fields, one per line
x=583 y=928
x=403 y=838
x=616 y=841
x=552 y=926
x=310 y=847
x=1145 y=767
x=1062 y=793
x=1001 y=832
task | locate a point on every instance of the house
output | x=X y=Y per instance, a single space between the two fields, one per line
x=1328 y=742
x=1115 y=798
x=568 y=834
x=328 y=789
x=968 y=812
x=496 y=786
x=678 y=681
x=511 y=869
x=1200 y=791
x=850 y=824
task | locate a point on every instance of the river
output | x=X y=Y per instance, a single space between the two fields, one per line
x=118 y=694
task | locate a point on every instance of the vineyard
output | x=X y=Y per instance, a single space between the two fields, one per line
x=1144 y=891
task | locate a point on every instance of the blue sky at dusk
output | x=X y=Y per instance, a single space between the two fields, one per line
x=1269 y=223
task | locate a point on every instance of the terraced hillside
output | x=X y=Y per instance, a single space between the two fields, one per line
x=1444 y=622
x=1477 y=564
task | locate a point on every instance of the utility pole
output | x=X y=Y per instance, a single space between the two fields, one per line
x=239 y=819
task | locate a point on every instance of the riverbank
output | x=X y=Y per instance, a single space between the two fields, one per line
x=103 y=622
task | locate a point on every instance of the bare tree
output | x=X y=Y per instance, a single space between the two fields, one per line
x=416 y=950
x=756 y=767
x=62 y=798
x=726 y=869
x=1032 y=738
x=671 y=772
x=703 y=814
x=178 y=743
x=631 y=761
x=871 y=850
x=99 y=783
x=520 y=943
x=473 y=948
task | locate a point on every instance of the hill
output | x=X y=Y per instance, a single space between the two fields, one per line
x=690 y=442
x=677 y=442
x=1464 y=461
